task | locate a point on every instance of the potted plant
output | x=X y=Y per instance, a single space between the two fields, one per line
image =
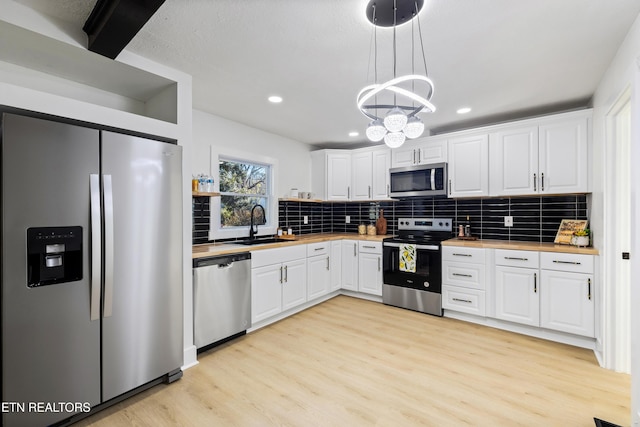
x=580 y=238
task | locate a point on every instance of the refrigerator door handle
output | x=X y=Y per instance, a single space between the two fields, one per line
x=96 y=245
x=108 y=246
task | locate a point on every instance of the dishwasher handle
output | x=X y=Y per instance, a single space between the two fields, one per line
x=221 y=261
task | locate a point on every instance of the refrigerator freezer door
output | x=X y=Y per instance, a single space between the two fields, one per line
x=50 y=346
x=142 y=324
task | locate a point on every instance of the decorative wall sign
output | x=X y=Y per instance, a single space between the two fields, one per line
x=567 y=228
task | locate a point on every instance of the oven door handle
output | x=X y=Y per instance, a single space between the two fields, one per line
x=425 y=247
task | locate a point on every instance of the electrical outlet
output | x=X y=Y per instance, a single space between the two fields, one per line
x=305 y=219
x=347 y=219
x=508 y=221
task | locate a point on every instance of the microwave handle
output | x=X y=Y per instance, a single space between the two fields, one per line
x=433 y=178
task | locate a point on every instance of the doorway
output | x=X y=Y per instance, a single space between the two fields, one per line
x=617 y=335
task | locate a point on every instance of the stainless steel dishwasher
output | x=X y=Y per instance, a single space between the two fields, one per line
x=221 y=298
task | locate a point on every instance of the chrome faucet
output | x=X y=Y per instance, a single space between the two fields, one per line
x=252 y=233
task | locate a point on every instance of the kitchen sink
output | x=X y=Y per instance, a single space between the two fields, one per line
x=251 y=242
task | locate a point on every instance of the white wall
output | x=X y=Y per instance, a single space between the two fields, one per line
x=621 y=75
x=214 y=131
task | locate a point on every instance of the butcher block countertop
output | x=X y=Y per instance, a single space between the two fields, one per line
x=213 y=249
x=520 y=246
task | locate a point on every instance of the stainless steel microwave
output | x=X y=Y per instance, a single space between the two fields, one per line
x=420 y=180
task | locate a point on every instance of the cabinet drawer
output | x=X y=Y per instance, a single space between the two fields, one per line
x=320 y=248
x=566 y=262
x=370 y=247
x=511 y=258
x=463 y=274
x=465 y=300
x=263 y=257
x=457 y=253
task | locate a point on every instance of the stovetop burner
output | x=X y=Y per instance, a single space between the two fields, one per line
x=422 y=230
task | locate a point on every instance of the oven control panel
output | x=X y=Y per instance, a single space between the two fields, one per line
x=425 y=224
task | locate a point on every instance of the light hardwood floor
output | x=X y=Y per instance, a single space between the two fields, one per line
x=351 y=362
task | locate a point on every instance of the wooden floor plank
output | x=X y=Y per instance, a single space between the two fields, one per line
x=360 y=363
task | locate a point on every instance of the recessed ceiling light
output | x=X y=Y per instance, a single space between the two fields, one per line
x=353 y=134
x=275 y=99
x=463 y=110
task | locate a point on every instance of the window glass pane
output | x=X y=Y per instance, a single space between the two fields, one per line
x=235 y=211
x=243 y=178
x=242 y=186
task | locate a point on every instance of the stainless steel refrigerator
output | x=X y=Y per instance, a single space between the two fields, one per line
x=91 y=267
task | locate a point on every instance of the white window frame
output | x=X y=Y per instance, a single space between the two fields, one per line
x=216 y=232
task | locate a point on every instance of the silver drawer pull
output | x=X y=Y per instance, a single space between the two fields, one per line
x=467 y=255
x=368 y=247
x=516 y=258
x=567 y=262
x=462 y=275
x=319 y=249
x=462 y=300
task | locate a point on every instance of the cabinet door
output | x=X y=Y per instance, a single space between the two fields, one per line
x=432 y=151
x=294 y=286
x=266 y=291
x=362 y=172
x=370 y=273
x=563 y=156
x=380 y=177
x=513 y=155
x=335 y=265
x=567 y=302
x=518 y=295
x=318 y=276
x=469 y=166
x=349 y=265
x=404 y=156
x=338 y=176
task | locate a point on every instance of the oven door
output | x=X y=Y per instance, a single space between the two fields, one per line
x=428 y=274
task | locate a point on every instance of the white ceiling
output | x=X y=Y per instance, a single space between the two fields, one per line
x=503 y=58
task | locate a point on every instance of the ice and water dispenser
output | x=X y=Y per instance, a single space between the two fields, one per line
x=54 y=255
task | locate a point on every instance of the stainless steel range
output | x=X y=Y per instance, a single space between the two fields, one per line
x=412 y=275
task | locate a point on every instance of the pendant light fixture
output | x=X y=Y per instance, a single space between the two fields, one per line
x=401 y=98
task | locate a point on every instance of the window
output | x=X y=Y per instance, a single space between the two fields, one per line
x=243 y=185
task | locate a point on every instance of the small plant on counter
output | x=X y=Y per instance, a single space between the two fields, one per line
x=581 y=237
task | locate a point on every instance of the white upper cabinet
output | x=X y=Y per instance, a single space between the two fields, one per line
x=370 y=173
x=380 y=174
x=361 y=175
x=469 y=165
x=513 y=155
x=564 y=158
x=543 y=156
x=421 y=151
x=331 y=174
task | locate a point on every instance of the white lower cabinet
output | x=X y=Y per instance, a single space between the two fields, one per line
x=567 y=302
x=370 y=268
x=517 y=298
x=278 y=281
x=335 y=265
x=463 y=280
x=318 y=269
x=556 y=293
x=349 y=267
